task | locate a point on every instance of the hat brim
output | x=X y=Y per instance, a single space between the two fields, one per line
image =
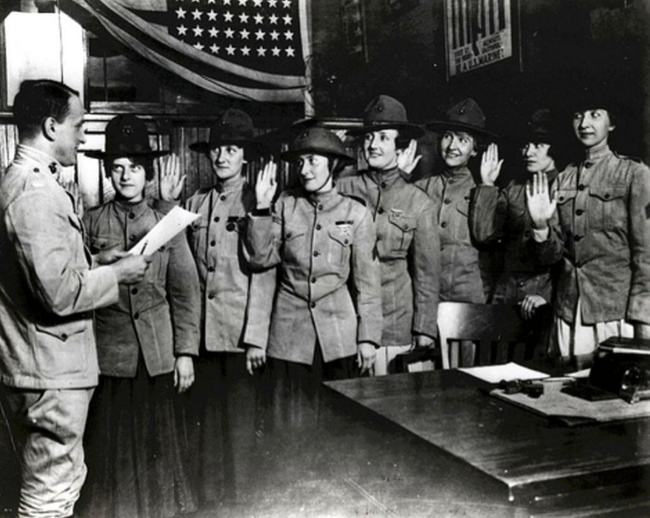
x=438 y=126
x=101 y=155
x=407 y=130
x=291 y=156
x=253 y=145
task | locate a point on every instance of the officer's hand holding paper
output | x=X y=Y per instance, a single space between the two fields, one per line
x=167 y=228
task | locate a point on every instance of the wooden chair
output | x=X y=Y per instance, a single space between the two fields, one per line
x=497 y=334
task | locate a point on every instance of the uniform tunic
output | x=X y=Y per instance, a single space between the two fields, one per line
x=158 y=317
x=236 y=303
x=601 y=233
x=321 y=241
x=408 y=249
x=502 y=215
x=460 y=258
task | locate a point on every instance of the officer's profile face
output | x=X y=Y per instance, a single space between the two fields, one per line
x=456 y=148
x=227 y=161
x=380 y=149
x=69 y=133
x=536 y=157
x=592 y=127
x=315 y=172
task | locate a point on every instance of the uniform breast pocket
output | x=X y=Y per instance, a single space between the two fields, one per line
x=462 y=206
x=401 y=229
x=339 y=245
x=565 y=203
x=607 y=207
x=295 y=243
x=197 y=235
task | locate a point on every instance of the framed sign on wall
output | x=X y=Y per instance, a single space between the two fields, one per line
x=480 y=33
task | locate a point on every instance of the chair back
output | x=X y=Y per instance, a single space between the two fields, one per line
x=495 y=329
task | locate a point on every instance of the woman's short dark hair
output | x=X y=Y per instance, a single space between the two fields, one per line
x=146 y=162
x=37 y=100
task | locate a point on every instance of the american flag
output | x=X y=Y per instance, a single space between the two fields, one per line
x=247 y=49
x=261 y=34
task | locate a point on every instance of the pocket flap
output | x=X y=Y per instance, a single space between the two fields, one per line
x=63 y=330
x=405 y=223
x=342 y=235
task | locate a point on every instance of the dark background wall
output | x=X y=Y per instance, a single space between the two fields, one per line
x=563 y=45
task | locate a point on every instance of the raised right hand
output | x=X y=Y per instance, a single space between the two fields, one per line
x=490 y=165
x=131 y=269
x=171 y=180
x=540 y=204
x=266 y=185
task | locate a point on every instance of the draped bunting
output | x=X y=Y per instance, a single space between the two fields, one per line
x=245 y=49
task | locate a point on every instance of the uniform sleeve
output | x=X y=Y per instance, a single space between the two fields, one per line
x=488 y=212
x=366 y=275
x=639 y=300
x=425 y=261
x=259 y=307
x=263 y=239
x=47 y=246
x=183 y=294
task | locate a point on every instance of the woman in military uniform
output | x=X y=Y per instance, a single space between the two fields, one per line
x=320 y=240
x=408 y=246
x=146 y=342
x=597 y=223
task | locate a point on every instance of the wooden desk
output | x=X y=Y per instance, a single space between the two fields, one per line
x=541 y=464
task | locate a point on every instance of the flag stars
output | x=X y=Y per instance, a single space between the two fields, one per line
x=230 y=50
x=257 y=3
x=290 y=52
x=243 y=18
x=259 y=35
x=229 y=32
x=228 y=16
x=244 y=34
x=245 y=51
x=213 y=32
x=258 y=19
x=182 y=30
x=261 y=52
x=243 y=2
x=276 y=51
x=287 y=19
x=286 y=4
x=196 y=14
x=288 y=35
x=180 y=13
x=274 y=35
x=273 y=3
x=273 y=19
x=212 y=16
x=215 y=48
x=226 y=2
x=198 y=31
x=212 y=2
x=198 y=46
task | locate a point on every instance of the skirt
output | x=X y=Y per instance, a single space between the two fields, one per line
x=137 y=450
x=292 y=392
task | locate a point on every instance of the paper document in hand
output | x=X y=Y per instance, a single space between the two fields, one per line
x=167 y=228
x=509 y=371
